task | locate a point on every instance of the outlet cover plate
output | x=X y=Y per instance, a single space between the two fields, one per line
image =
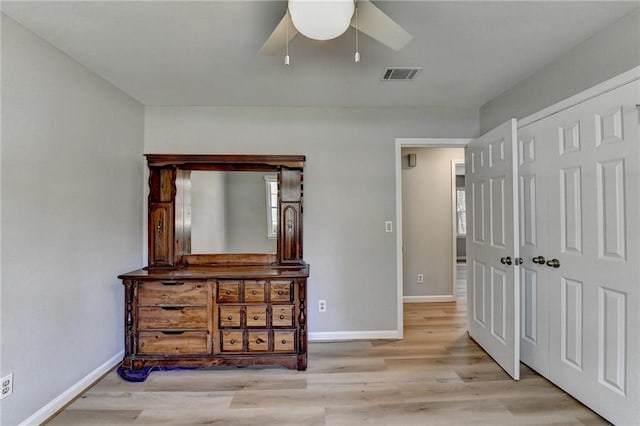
x=7 y=386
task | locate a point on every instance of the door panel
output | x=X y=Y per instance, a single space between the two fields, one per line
x=570 y=184
x=571 y=323
x=478 y=285
x=593 y=294
x=493 y=286
x=534 y=151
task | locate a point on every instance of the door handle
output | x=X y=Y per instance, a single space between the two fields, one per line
x=506 y=260
x=518 y=261
x=554 y=263
x=539 y=259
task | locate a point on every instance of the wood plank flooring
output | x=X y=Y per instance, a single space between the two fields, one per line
x=435 y=376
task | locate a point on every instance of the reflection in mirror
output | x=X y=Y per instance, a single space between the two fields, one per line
x=230 y=213
x=271 y=186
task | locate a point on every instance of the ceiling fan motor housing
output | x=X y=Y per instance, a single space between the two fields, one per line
x=321 y=20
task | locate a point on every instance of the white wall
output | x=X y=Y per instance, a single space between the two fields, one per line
x=71 y=185
x=349 y=188
x=427 y=221
x=610 y=52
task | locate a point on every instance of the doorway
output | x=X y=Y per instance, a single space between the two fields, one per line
x=404 y=223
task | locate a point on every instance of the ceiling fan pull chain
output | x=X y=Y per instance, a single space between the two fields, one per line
x=357 y=55
x=286 y=57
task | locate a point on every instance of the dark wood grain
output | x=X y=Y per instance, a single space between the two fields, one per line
x=189 y=310
x=188 y=161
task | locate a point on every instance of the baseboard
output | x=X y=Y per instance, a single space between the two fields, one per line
x=334 y=336
x=67 y=396
x=427 y=299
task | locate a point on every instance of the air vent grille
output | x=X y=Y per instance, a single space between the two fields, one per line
x=401 y=73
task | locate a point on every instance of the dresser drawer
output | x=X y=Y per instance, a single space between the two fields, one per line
x=281 y=291
x=155 y=317
x=231 y=341
x=228 y=291
x=172 y=343
x=258 y=341
x=254 y=291
x=256 y=316
x=230 y=316
x=282 y=316
x=284 y=341
x=172 y=293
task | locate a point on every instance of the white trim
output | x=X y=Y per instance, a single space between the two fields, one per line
x=454 y=224
x=412 y=143
x=597 y=90
x=333 y=336
x=433 y=142
x=399 y=261
x=429 y=299
x=70 y=394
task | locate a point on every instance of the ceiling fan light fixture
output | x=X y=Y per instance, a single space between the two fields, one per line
x=321 y=19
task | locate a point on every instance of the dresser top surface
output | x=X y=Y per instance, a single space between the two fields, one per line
x=220 y=271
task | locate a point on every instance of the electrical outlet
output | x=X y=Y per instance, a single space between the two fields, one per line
x=322 y=306
x=420 y=278
x=7 y=386
x=388 y=226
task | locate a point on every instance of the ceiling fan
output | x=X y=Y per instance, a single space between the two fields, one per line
x=328 y=19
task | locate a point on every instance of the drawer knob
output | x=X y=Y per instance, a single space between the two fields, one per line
x=281 y=316
x=284 y=341
x=259 y=340
x=228 y=292
x=280 y=292
x=229 y=317
x=254 y=292
x=255 y=317
x=232 y=342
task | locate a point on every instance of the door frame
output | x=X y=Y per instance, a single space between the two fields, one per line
x=413 y=143
x=455 y=164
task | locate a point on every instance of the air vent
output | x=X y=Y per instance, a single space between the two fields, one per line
x=401 y=74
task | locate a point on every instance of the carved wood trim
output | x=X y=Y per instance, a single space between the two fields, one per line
x=222 y=162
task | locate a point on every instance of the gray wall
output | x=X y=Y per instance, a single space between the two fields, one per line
x=71 y=218
x=349 y=188
x=427 y=221
x=610 y=52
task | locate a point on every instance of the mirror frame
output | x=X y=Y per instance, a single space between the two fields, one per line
x=169 y=227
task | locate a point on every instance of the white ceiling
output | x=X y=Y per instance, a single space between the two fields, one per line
x=206 y=52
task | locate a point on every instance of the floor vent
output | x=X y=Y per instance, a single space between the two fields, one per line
x=401 y=74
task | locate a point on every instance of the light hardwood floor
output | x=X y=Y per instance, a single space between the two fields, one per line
x=435 y=376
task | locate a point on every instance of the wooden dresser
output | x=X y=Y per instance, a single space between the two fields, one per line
x=216 y=309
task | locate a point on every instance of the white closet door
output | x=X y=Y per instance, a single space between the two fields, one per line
x=493 y=291
x=593 y=234
x=534 y=150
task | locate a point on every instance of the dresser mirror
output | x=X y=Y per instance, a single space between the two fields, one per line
x=226 y=284
x=224 y=209
x=233 y=212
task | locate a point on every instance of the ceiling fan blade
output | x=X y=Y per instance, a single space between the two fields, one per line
x=377 y=25
x=277 y=41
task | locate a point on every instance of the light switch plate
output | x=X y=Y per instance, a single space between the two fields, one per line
x=388 y=226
